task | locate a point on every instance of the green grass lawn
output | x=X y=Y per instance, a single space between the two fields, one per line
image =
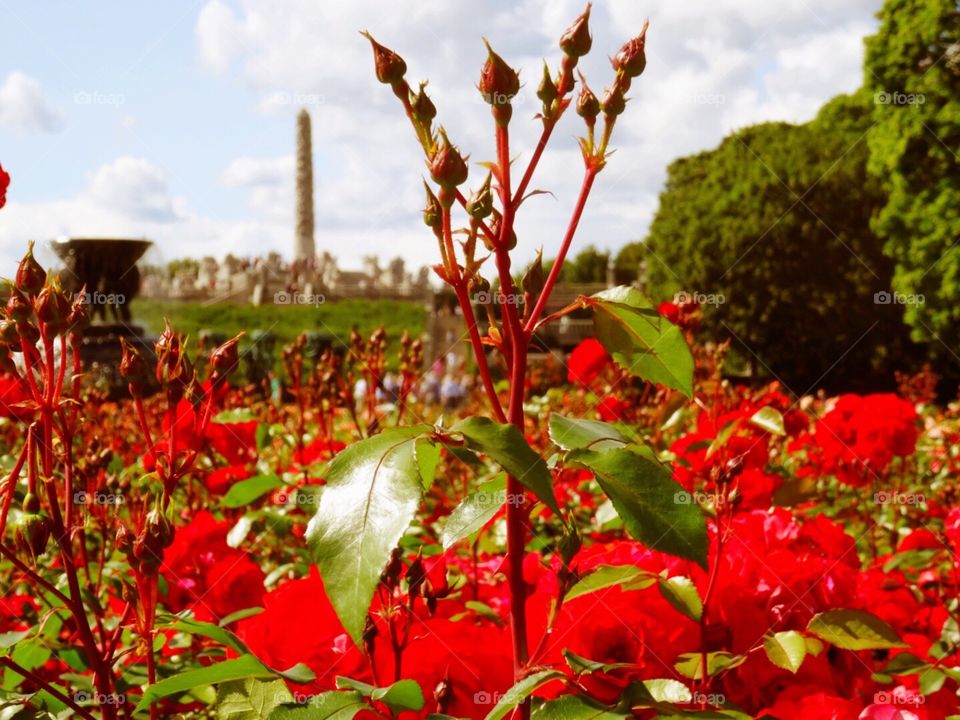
x=334 y=319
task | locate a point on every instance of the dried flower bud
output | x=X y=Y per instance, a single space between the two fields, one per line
x=422 y=107
x=576 y=41
x=632 y=58
x=588 y=107
x=547 y=92
x=389 y=66
x=480 y=204
x=614 y=103
x=448 y=168
x=499 y=82
x=31 y=277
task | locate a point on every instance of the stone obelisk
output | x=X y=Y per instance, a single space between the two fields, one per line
x=304 y=247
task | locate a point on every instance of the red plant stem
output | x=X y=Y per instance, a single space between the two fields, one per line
x=708 y=594
x=548 y=125
x=34 y=576
x=10 y=486
x=142 y=419
x=588 y=177
x=40 y=682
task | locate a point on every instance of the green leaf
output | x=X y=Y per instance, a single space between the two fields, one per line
x=667 y=690
x=786 y=649
x=9 y=639
x=245 y=666
x=372 y=493
x=250 y=699
x=475 y=511
x=235 y=415
x=769 y=419
x=238 y=615
x=905 y=664
x=402 y=695
x=575 y=707
x=520 y=692
x=609 y=575
x=651 y=504
x=680 y=592
x=691 y=664
x=428 y=457
x=581 y=434
x=333 y=705
x=246 y=491
x=584 y=666
x=640 y=340
x=506 y=445
x=204 y=629
x=854 y=630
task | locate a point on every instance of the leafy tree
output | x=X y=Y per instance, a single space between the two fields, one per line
x=913 y=73
x=774 y=225
x=589 y=266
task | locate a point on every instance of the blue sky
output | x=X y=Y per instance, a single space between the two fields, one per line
x=175 y=120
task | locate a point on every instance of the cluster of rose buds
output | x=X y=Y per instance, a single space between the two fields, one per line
x=144 y=549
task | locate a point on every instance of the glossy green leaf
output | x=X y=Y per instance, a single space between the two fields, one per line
x=786 y=649
x=246 y=491
x=372 y=493
x=584 y=666
x=769 y=419
x=520 y=692
x=402 y=695
x=245 y=666
x=640 y=340
x=606 y=576
x=575 y=707
x=652 y=505
x=250 y=699
x=475 y=511
x=428 y=458
x=583 y=434
x=333 y=705
x=690 y=665
x=680 y=592
x=506 y=445
x=854 y=630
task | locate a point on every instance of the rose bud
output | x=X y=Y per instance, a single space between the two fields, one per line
x=614 y=103
x=225 y=358
x=133 y=368
x=576 y=41
x=499 y=82
x=448 y=168
x=480 y=204
x=432 y=211
x=632 y=58
x=7 y=364
x=9 y=334
x=389 y=66
x=124 y=540
x=32 y=534
x=422 y=107
x=588 y=107
x=18 y=306
x=31 y=277
x=547 y=92
x=79 y=317
x=28 y=331
x=53 y=310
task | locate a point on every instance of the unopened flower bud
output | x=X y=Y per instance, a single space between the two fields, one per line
x=18 y=305
x=422 y=107
x=53 y=310
x=614 y=103
x=576 y=41
x=32 y=534
x=124 y=540
x=79 y=316
x=225 y=358
x=588 y=107
x=31 y=277
x=389 y=66
x=480 y=204
x=432 y=212
x=133 y=368
x=499 y=82
x=547 y=92
x=448 y=168
x=632 y=58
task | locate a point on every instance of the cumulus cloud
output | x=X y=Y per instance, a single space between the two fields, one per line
x=714 y=66
x=24 y=107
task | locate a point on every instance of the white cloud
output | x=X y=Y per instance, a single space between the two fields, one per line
x=132 y=188
x=24 y=107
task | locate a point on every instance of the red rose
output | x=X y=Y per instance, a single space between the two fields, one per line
x=4 y=184
x=587 y=361
x=298 y=624
x=669 y=310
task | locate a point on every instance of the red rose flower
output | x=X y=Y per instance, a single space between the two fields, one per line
x=587 y=361
x=669 y=310
x=4 y=184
